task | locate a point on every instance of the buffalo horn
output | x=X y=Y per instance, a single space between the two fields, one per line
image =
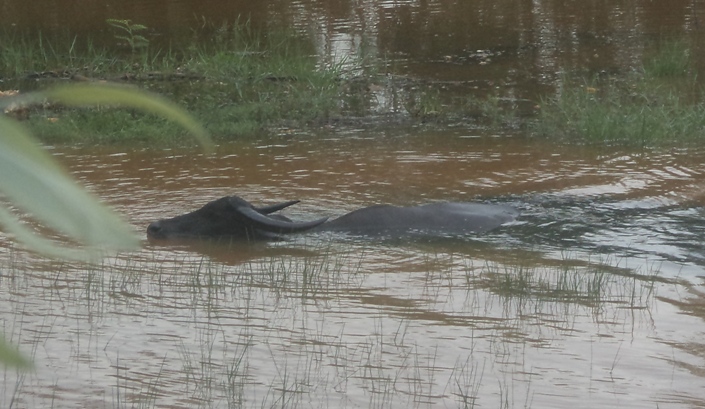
x=275 y=207
x=276 y=226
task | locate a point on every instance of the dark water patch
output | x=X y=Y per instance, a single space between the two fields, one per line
x=519 y=49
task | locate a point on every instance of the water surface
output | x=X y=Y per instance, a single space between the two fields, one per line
x=593 y=298
x=586 y=301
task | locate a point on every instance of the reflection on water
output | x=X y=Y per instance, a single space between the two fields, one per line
x=579 y=303
x=521 y=47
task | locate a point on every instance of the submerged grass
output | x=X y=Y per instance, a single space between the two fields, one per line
x=293 y=330
x=572 y=282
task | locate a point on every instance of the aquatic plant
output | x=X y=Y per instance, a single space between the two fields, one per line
x=296 y=329
x=131 y=32
x=493 y=111
x=574 y=282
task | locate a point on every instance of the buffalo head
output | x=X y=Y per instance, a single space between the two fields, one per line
x=230 y=217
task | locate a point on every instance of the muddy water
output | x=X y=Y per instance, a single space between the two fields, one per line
x=588 y=300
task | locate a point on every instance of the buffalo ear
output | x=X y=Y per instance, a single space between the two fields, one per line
x=252 y=216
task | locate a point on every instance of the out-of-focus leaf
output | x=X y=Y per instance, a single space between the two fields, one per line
x=10 y=356
x=31 y=179
x=43 y=245
x=96 y=94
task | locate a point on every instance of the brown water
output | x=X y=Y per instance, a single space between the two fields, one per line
x=315 y=322
x=592 y=299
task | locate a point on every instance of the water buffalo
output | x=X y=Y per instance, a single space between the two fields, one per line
x=234 y=218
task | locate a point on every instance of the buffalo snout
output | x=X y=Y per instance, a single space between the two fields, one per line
x=154 y=230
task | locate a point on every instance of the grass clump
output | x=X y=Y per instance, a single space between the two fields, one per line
x=671 y=59
x=635 y=114
x=234 y=80
x=660 y=105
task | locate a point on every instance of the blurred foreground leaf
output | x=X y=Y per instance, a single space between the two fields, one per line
x=34 y=182
x=31 y=180
x=10 y=356
x=94 y=94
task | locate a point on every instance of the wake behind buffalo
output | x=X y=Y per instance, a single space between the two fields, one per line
x=234 y=218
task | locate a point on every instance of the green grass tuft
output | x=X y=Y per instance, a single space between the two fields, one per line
x=640 y=113
x=671 y=58
x=660 y=105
